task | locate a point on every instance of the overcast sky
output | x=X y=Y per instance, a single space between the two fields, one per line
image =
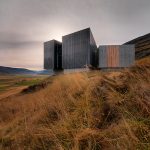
x=26 y=24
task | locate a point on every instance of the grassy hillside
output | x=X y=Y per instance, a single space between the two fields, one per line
x=8 y=82
x=81 y=111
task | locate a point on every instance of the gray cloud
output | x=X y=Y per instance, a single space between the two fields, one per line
x=25 y=24
x=19 y=45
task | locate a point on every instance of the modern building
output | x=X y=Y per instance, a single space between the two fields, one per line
x=53 y=55
x=116 y=56
x=142 y=46
x=79 y=50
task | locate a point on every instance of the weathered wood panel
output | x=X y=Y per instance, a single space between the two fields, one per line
x=142 y=46
x=52 y=55
x=115 y=56
x=78 y=49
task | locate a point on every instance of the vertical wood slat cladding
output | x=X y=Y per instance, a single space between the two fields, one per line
x=78 y=49
x=49 y=55
x=142 y=46
x=112 y=56
x=52 y=55
x=93 y=51
x=102 y=57
x=127 y=55
x=115 y=56
x=75 y=50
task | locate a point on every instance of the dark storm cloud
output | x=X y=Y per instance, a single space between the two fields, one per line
x=25 y=24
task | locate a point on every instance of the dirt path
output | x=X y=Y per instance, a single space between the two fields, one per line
x=11 y=92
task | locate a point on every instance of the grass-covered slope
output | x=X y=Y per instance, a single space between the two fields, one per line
x=11 y=82
x=81 y=111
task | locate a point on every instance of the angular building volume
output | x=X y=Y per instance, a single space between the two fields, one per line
x=79 y=50
x=53 y=55
x=116 y=56
x=142 y=46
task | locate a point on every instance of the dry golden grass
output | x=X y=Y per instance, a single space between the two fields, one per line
x=81 y=111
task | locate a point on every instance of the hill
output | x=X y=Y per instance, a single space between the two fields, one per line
x=22 y=71
x=9 y=70
x=142 y=46
x=81 y=111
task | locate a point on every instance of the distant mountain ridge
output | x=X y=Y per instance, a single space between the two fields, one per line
x=142 y=46
x=10 y=70
x=23 y=71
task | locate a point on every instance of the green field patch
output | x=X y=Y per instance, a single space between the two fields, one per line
x=2 y=88
x=27 y=82
x=5 y=86
x=8 y=82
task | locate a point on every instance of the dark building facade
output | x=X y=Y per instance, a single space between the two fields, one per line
x=142 y=46
x=116 y=56
x=53 y=55
x=79 y=50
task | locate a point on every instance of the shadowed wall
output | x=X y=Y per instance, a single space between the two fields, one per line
x=142 y=46
x=53 y=55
